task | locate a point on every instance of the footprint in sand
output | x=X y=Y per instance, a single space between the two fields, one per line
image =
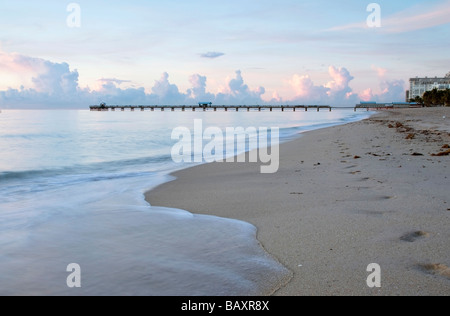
x=436 y=269
x=373 y=213
x=376 y=198
x=412 y=237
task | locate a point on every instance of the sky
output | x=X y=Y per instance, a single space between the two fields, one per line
x=71 y=54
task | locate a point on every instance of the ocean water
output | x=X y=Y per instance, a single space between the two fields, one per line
x=72 y=189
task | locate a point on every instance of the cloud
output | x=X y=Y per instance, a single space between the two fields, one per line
x=110 y=93
x=55 y=85
x=305 y=90
x=392 y=91
x=336 y=92
x=238 y=92
x=52 y=84
x=46 y=77
x=340 y=83
x=13 y=62
x=166 y=92
x=212 y=55
x=198 y=90
x=366 y=95
x=56 y=79
x=381 y=72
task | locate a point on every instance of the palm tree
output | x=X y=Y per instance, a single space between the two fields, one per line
x=427 y=99
x=435 y=98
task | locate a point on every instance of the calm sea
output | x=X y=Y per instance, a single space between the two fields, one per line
x=72 y=189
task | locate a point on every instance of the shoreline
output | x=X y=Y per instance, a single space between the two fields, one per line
x=361 y=193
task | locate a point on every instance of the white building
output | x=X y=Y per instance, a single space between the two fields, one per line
x=418 y=86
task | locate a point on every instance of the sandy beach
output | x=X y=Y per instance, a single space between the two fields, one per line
x=374 y=191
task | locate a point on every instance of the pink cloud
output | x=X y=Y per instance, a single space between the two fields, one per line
x=381 y=72
x=391 y=91
x=237 y=91
x=303 y=85
x=366 y=95
x=46 y=77
x=276 y=97
x=341 y=79
x=336 y=92
x=18 y=64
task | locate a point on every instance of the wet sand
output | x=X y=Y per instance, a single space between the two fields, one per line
x=375 y=191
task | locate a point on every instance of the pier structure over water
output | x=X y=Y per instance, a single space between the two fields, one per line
x=215 y=108
x=369 y=106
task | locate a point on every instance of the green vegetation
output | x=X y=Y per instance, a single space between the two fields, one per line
x=417 y=100
x=434 y=98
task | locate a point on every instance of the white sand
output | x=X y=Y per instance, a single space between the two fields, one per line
x=328 y=222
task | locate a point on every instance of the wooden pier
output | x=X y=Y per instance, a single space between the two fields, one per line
x=214 y=108
x=369 y=107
